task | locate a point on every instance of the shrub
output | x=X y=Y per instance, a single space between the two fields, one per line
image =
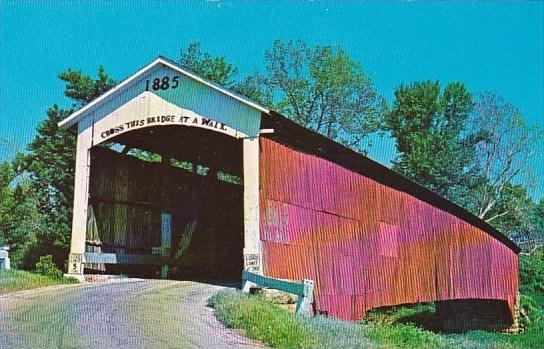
x=531 y=317
x=403 y=336
x=531 y=273
x=47 y=267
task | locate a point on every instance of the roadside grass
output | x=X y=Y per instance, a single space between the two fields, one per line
x=17 y=280
x=274 y=326
x=262 y=320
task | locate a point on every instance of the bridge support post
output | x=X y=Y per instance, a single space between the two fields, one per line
x=252 y=242
x=76 y=259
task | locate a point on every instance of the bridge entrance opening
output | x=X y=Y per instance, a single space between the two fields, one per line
x=167 y=201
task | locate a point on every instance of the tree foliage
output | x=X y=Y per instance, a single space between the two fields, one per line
x=511 y=212
x=503 y=156
x=323 y=89
x=532 y=271
x=18 y=214
x=215 y=69
x=537 y=216
x=48 y=166
x=433 y=146
x=82 y=88
x=253 y=88
x=527 y=226
x=6 y=201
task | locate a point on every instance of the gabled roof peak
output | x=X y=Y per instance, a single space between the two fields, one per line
x=160 y=60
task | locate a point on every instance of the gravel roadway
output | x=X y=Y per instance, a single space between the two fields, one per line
x=119 y=313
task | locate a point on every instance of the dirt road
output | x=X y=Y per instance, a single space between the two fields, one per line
x=122 y=313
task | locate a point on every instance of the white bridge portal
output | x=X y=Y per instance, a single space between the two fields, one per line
x=131 y=115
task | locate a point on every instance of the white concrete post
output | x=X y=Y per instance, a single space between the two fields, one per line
x=252 y=242
x=81 y=197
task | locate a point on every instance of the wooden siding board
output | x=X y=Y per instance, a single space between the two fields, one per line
x=368 y=245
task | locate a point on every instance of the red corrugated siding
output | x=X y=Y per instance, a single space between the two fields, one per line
x=367 y=245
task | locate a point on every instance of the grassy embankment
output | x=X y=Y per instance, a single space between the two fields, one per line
x=17 y=280
x=267 y=322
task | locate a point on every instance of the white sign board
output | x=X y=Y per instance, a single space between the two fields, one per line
x=148 y=110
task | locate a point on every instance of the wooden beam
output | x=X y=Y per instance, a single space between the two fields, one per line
x=303 y=289
x=102 y=199
x=115 y=258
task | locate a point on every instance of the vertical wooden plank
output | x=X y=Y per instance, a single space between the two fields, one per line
x=166 y=239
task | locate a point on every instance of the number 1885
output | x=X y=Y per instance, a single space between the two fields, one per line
x=163 y=83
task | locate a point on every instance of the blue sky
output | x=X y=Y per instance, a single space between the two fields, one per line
x=495 y=46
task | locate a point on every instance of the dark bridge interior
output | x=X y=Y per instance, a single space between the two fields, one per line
x=168 y=186
x=451 y=316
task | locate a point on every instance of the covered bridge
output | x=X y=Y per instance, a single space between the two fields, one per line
x=176 y=175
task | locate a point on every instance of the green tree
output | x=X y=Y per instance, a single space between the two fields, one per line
x=253 y=88
x=429 y=126
x=537 y=217
x=18 y=215
x=82 y=89
x=531 y=271
x=215 y=69
x=512 y=210
x=6 y=201
x=527 y=228
x=323 y=89
x=49 y=166
x=218 y=70
x=503 y=155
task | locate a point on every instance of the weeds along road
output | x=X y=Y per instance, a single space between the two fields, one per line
x=122 y=313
